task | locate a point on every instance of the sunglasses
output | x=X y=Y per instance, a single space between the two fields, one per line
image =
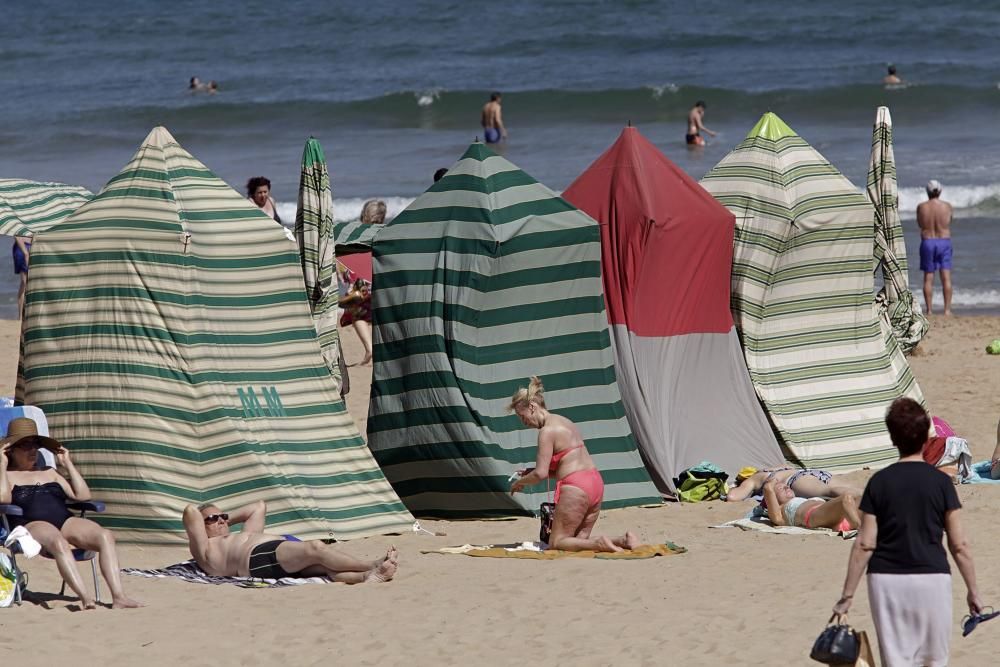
x=970 y=622
x=214 y=518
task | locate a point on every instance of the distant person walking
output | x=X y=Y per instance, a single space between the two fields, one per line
x=259 y=192
x=934 y=219
x=357 y=303
x=492 y=121
x=696 y=125
x=21 y=251
x=891 y=78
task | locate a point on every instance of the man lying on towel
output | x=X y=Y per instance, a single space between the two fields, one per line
x=804 y=483
x=253 y=553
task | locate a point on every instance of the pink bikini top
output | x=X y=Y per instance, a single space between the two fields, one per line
x=559 y=456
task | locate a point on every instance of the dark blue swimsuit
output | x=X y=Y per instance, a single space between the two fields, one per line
x=41 y=502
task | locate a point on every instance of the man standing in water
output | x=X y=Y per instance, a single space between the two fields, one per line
x=493 y=129
x=695 y=125
x=934 y=219
x=891 y=78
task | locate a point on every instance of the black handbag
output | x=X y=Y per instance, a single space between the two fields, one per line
x=838 y=643
x=545 y=514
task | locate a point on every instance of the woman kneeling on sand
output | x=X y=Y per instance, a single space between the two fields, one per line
x=784 y=508
x=42 y=495
x=580 y=488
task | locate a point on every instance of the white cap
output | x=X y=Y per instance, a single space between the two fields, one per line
x=933 y=186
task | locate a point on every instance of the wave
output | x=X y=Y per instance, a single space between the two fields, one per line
x=976 y=298
x=967 y=200
x=447 y=109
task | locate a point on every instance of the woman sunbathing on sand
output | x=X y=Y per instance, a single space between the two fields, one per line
x=580 y=488
x=804 y=482
x=784 y=508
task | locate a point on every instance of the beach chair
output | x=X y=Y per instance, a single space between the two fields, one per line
x=79 y=555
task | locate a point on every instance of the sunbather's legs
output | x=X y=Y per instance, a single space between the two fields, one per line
x=86 y=534
x=832 y=512
x=56 y=546
x=808 y=486
x=318 y=559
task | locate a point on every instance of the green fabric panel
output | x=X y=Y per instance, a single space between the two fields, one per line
x=180 y=359
x=803 y=291
x=442 y=373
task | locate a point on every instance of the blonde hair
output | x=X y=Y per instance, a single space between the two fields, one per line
x=373 y=212
x=530 y=394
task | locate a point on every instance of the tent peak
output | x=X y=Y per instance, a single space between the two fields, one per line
x=159 y=136
x=770 y=126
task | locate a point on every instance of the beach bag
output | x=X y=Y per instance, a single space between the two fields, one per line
x=8 y=581
x=694 y=486
x=838 y=644
x=546 y=513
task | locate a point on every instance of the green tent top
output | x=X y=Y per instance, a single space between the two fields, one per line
x=169 y=340
x=771 y=127
x=484 y=280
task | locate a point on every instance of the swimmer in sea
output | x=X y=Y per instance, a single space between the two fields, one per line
x=695 y=125
x=891 y=78
x=493 y=129
x=196 y=85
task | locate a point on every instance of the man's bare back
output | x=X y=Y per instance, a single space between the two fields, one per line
x=491 y=118
x=934 y=219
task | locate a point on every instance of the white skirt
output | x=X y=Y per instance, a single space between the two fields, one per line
x=912 y=614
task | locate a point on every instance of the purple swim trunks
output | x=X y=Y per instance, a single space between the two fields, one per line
x=935 y=255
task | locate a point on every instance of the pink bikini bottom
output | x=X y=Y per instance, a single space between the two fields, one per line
x=589 y=481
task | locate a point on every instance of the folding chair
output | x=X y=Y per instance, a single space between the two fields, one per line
x=79 y=555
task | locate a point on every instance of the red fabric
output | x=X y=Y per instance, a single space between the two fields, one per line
x=360 y=263
x=666 y=244
x=934 y=450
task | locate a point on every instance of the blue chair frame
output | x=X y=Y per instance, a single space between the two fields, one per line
x=79 y=555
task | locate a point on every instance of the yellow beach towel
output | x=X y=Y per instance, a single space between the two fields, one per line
x=520 y=551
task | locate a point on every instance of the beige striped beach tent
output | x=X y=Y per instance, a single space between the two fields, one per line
x=169 y=340
x=27 y=207
x=803 y=300
x=486 y=279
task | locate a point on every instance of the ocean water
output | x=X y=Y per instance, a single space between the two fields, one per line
x=393 y=92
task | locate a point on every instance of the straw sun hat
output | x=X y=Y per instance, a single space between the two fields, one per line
x=23 y=432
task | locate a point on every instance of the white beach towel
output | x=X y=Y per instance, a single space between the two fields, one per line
x=765 y=526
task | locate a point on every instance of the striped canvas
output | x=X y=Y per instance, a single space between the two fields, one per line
x=484 y=280
x=313 y=228
x=27 y=207
x=802 y=298
x=169 y=340
x=899 y=310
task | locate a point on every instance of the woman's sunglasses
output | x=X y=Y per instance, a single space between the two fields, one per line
x=214 y=518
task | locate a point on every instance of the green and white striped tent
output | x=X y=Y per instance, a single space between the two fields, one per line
x=802 y=299
x=27 y=207
x=169 y=340
x=486 y=279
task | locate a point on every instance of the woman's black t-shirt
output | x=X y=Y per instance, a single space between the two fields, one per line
x=909 y=500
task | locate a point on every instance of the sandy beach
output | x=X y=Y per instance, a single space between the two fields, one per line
x=735 y=598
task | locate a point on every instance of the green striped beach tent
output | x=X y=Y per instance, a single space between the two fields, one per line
x=313 y=228
x=486 y=279
x=803 y=300
x=168 y=337
x=27 y=207
x=895 y=301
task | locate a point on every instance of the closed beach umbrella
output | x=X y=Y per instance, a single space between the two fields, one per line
x=823 y=365
x=313 y=230
x=895 y=300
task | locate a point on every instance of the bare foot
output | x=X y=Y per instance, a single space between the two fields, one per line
x=631 y=540
x=383 y=573
x=125 y=603
x=87 y=603
x=607 y=544
x=391 y=556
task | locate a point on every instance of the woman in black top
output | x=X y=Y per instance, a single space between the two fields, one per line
x=906 y=508
x=42 y=496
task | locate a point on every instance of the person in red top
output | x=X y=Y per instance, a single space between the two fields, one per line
x=579 y=489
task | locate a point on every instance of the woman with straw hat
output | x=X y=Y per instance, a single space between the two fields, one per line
x=42 y=495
